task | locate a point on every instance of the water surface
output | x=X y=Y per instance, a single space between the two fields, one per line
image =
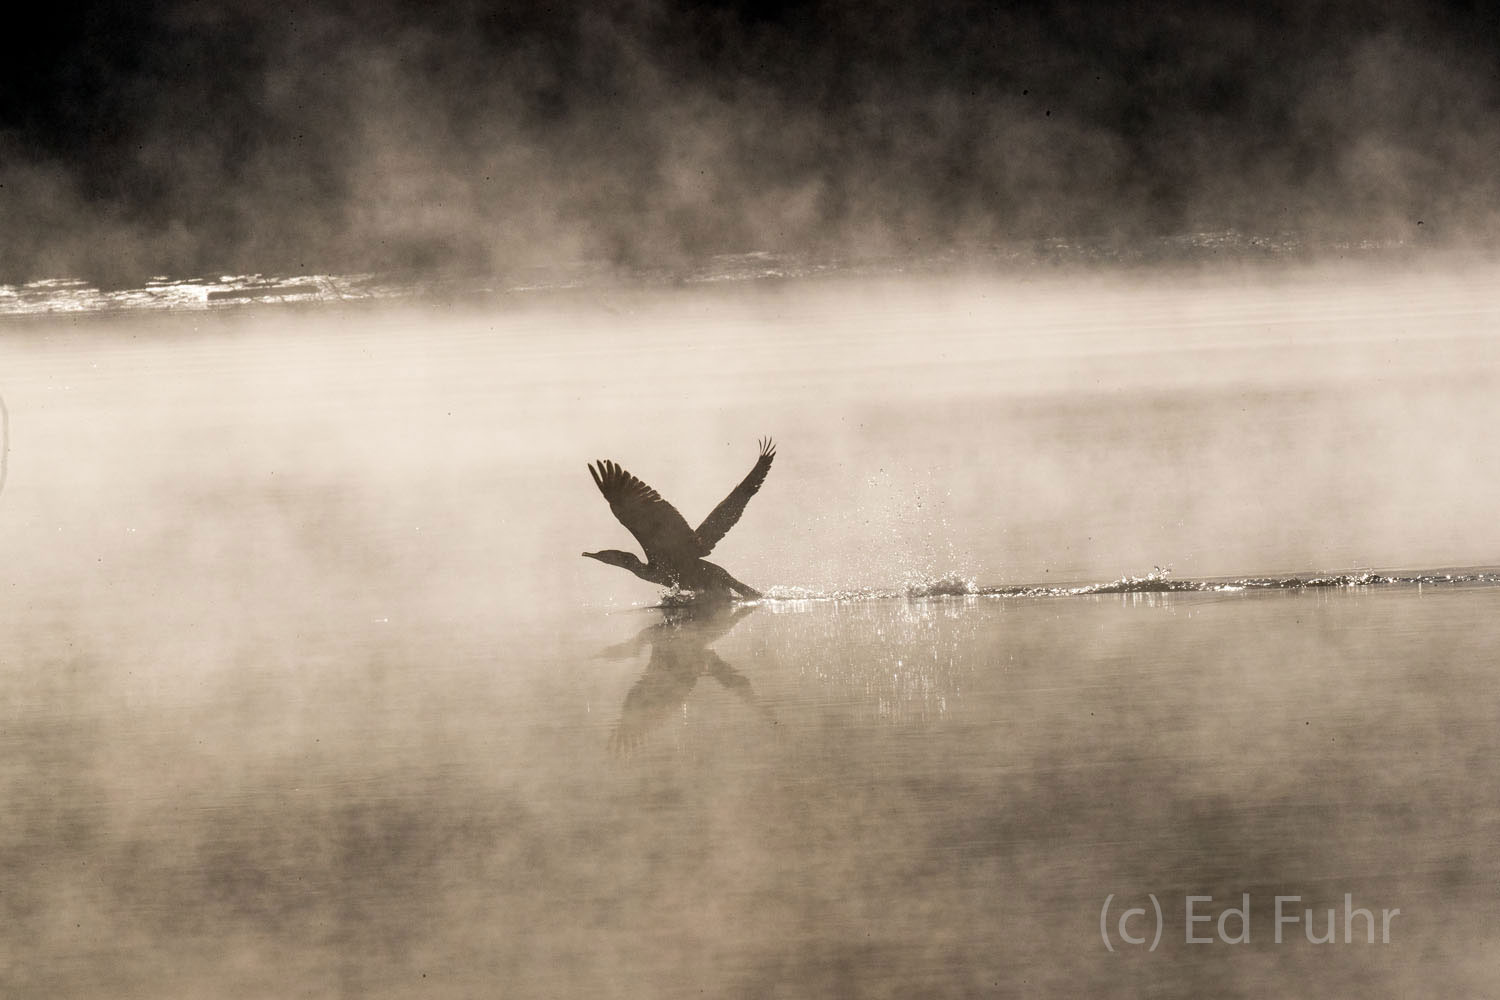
x=308 y=691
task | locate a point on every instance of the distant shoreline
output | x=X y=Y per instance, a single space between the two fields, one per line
x=1191 y=252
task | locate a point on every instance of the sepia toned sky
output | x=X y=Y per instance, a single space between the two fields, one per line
x=178 y=137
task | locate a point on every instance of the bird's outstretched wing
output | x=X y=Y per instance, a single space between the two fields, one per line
x=724 y=516
x=655 y=523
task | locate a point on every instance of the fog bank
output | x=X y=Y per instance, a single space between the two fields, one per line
x=180 y=138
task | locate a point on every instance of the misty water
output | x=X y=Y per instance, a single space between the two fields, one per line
x=307 y=691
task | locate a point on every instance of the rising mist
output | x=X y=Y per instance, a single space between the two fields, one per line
x=184 y=138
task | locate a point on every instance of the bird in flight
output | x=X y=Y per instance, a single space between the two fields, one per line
x=674 y=551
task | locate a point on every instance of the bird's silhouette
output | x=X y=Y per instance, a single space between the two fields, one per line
x=674 y=551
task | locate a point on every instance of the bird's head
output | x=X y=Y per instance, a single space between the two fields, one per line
x=624 y=560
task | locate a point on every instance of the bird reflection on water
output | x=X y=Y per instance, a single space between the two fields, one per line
x=679 y=657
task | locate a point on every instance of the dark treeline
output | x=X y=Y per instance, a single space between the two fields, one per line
x=181 y=137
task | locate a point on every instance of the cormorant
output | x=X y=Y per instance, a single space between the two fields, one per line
x=674 y=551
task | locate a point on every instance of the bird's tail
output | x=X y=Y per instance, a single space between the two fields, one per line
x=721 y=581
x=747 y=592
